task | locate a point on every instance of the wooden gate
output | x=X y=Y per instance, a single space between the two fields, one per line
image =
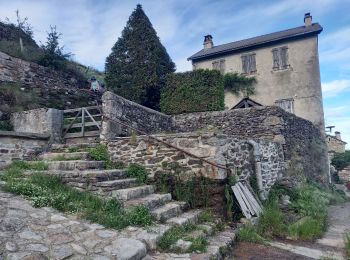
x=82 y=122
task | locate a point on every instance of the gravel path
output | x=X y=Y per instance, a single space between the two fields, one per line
x=44 y=233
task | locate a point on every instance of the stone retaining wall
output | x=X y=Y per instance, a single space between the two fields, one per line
x=303 y=143
x=40 y=121
x=18 y=146
x=246 y=157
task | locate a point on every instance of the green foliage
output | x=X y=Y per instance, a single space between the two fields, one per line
x=194 y=91
x=138 y=64
x=206 y=216
x=271 y=222
x=53 y=53
x=239 y=84
x=26 y=165
x=99 y=153
x=248 y=234
x=64 y=158
x=199 y=244
x=5 y=126
x=347 y=244
x=307 y=228
x=49 y=191
x=253 y=182
x=137 y=171
x=174 y=234
x=341 y=160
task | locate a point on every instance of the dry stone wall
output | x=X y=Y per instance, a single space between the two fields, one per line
x=241 y=156
x=303 y=143
x=18 y=146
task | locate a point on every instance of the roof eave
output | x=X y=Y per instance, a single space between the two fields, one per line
x=316 y=32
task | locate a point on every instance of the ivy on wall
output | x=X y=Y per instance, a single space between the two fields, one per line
x=194 y=91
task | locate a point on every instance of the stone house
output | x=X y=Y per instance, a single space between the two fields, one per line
x=285 y=64
x=335 y=143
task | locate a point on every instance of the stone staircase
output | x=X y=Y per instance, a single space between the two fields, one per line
x=77 y=170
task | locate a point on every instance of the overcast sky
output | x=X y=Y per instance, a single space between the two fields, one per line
x=91 y=27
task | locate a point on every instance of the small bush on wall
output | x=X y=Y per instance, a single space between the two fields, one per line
x=194 y=91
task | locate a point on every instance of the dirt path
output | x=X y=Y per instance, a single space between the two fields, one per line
x=339 y=225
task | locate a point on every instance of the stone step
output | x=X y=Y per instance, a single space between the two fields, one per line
x=108 y=188
x=67 y=156
x=220 y=243
x=87 y=176
x=151 y=201
x=168 y=210
x=74 y=165
x=133 y=193
x=71 y=146
x=186 y=217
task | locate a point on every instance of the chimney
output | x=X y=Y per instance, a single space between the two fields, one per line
x=337 y=135
x=208 y=42
x=307 y=19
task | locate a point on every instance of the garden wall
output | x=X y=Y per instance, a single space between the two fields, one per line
x=303 y=143
x=245 y=157
x=18 y=146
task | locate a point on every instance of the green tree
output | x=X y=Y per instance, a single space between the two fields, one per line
x=53 y=52
x=341 y=160
x=137 y=67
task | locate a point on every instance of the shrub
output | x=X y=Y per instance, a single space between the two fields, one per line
x=137 y=171
x=99 y=153
x=199 y=244
x=194 y=91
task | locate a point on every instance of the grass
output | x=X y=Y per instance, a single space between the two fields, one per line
x=304 y=219
x=270 y=222
x=199 y=243
x=248 y=234
x=307 y=228
x=347 y=244
x=49 y=191
x=174 y=234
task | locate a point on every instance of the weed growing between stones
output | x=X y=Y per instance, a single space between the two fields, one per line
x=49 y=191
x=199 y=243
x=100 y=153
x=30 y=165
x=137 y=171
x=174 y=234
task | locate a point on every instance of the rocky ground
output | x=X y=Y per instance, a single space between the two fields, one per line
x=44 y=233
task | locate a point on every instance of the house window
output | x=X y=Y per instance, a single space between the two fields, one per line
x=280 y=58
x=286 y=104
x=248 y=63
x=219 y=65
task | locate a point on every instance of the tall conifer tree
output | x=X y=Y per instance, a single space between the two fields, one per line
x=138 y=64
